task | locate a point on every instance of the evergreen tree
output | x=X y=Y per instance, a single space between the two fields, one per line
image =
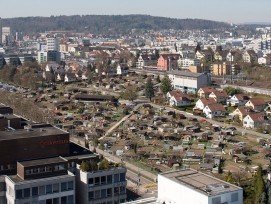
x=229 y=178
x=258 y=184
x=166 y=85
x=149 y=89
x=158 y=79
x=198 y=48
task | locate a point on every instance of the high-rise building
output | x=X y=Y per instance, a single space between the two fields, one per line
x=52 y=44
x=6 y=35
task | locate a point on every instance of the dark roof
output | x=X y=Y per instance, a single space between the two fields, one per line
x=36 y=132
x=94 y=97
x=54 y=160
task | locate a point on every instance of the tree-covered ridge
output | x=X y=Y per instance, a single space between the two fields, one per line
x=106 y=24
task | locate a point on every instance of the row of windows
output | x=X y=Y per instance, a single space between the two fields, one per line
x=43 y=190
x=103 y=180
x=62 y=200
x=105 y=193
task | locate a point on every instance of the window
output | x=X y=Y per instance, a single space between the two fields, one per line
x=70 y=185
x=90 y=181
x=49 y=201
x=109 y=192
x=49 y=189
x=26 y=193
x=55 y=188
x=41 y=190
x=234 y=197
x=55 y=200
x=122 y=177
x=64 y=200
x=35 y=191
x=116 y=191
x=90 y=195
x=122 y=190
x=97 y=181
x=19 y=194
x=63 y=186
x=103 y=180
x=103 y=193
x=216 y=200
x=2 y=186
x=116 y=178
x=97 y=194
x=70 y=199
x=109 y=179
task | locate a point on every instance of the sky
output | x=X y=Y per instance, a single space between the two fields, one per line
x=235 y=11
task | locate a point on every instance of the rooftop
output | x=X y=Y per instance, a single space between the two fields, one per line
x=200 y=182
x=187 y=74
x=35 y=132
x=54 y=160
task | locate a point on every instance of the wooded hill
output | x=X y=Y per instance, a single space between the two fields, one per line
x=107 y=24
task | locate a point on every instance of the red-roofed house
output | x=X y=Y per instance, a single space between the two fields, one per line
x=214 y=110
x=205 y=92
x=238 y=100
x=242 y=112
x=255 y=120
x=219 y=96
x=201 y=103
x=258 y=104
x=178 y=99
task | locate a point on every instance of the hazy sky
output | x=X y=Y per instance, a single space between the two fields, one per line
x=236 y=11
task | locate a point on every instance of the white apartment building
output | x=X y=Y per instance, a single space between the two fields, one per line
x=189 y=81
x=42 y=57
x=53 y=190
x=101 y=187
x=193 y=187
x=186 y=62
x=52 y=44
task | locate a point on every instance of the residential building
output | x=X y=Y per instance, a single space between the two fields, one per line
x=168 y=62
x=122 y=69
x=185 y=62
x=219 y=96
x=102 y=186
x=42 y=57
x=6 y=35
x=188 y=81
x=199 y=68
x=205 y=91
x=241 y=112
x=250 y=56
x=202 y=103
x=254 y=120
x=178 y=99
x=214 y=110
x=52 y=44
x=238 y=100
x=258 y=104
x=192 y=187
x=146 y=60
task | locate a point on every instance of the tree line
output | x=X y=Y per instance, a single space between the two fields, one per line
x=104 y=24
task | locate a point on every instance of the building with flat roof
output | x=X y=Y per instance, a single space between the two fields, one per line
x=192 y=187
x=189 y=81
x=41 y=181
x=102 y=186
x=35 y=142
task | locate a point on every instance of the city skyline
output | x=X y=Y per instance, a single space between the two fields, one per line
x=240 y=11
